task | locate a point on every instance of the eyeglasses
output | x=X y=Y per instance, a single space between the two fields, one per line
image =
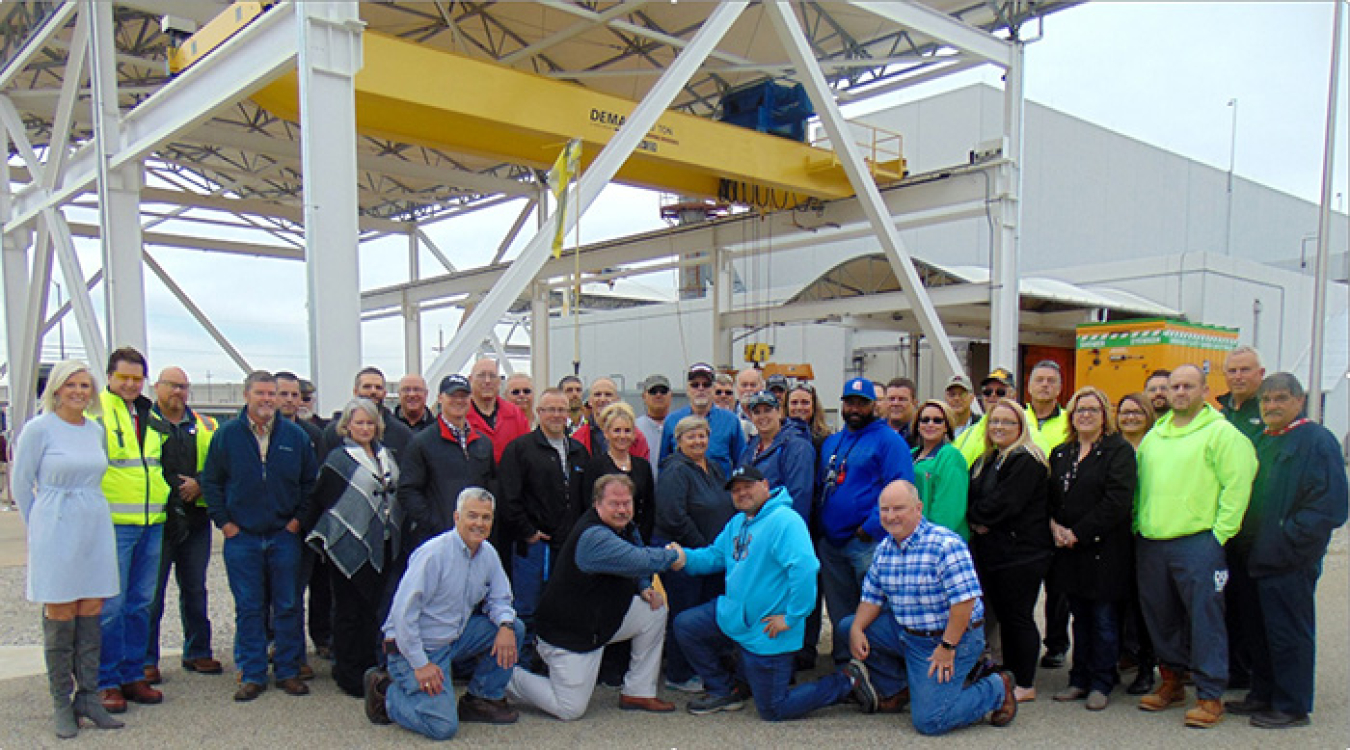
x=932 y=420
x=1088 y=410
x=521 y=391
x=1132 y=413
x=486 y=376
x=1004 y=423
x=1000 y=392
x=175 y=386
x=129 y=378
x=552 y=409
x=658 y=390
x=412 y=389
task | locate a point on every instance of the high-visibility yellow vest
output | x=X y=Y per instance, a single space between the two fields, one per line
x=134 y=482
x=206 y=428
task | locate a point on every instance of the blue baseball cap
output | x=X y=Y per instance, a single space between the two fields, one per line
x=860 y=387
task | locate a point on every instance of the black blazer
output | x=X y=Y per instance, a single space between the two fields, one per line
x=1010 y=500
x=1097 y=505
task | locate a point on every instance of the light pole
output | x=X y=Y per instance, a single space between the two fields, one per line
x=1232 y=160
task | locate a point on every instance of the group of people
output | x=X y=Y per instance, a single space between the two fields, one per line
x=541 y=543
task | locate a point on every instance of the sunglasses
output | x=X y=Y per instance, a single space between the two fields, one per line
x=700 y=384
x=932 y=420
x=658 y=390
x=720 y=392
x=1000 y=392
x=521 y=391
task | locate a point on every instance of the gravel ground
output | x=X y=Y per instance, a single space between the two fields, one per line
x=198 y=710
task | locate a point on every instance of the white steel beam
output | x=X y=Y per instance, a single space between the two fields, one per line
x=55 y=22
x=329 y=39
x=524 y=270
x=574 y=30
x=435 y=250
x=869 y=197
x=412 y=312
x=246 y=62
x=513 y=232
x=197 y=313
x=943 y=28
x=1003 y=288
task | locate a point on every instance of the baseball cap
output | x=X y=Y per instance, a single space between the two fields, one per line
x=1002 y=375
x=763 y=398
x=654 y=380
x=959 y=380
x=860 y=387
x=743 y=474
x=701 y=369
x=451 y=384
x=776 y=383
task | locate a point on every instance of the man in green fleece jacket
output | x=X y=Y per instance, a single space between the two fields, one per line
x=1195 y=478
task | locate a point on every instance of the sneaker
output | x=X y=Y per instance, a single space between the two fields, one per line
x=692 y=685
x=711 y=704
x=376 y=682
x=863 y=690
x=485 y=711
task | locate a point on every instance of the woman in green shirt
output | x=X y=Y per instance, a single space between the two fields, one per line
x=939 y=468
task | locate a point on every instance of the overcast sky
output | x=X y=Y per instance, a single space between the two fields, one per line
x=1160 y=72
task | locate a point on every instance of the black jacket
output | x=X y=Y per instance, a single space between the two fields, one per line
x=644 y=499
x=1097 y=506
x=396 y=436
x=1010 y=499
x=537 y=494
x=434 y=469
x=691 y=504
x=427 y=421
x=582 y=611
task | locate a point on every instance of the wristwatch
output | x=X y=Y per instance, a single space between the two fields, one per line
x=949 y=646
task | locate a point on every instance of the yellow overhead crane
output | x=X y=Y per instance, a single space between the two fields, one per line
x=413 y=93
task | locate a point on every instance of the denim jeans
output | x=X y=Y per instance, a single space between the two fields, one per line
x=1096 y=644
x=436 y=716
x=251 y=560
x=1181 y=584
x=684 y=592
x=125 y=620
x=769 y=677
x=841 y=575
x=529 y=573
x=189 y=559
x=899 y=659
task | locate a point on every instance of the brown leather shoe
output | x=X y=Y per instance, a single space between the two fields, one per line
x=894 y=704
x=1004 y=714
x=248 y=691
x=203 y=665
x=293 y=686
x=306 y=672
x=1205 y=714
x=141 y=692
x=484 y=711
x=376 y=681
x=153 y=676
x=113 y=701
x=1170 y=692
x=654 y=705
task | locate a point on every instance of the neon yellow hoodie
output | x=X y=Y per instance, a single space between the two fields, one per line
x=1193 y=478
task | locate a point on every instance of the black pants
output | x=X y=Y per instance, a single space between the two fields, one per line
x=1285 y=638
x=320 y=598
x=1241 y=616
x=1056 y=619
x=356 y=627
x=1011 y=592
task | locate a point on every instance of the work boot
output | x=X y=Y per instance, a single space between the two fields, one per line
x=1169 y=692
x=88 y=644
x=1205 y=714
x=58 y=638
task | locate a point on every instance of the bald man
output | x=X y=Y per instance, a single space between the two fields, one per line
x=603 y=393
x=412 y=403
x=500 y=420
x=187 y=532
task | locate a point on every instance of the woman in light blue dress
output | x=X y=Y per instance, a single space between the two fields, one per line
x=72 y=558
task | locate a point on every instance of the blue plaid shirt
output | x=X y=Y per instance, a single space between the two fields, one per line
x=923 y=577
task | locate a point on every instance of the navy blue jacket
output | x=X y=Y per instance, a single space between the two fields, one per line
x=1298 y=499
x=789 y=462
x=258 y=498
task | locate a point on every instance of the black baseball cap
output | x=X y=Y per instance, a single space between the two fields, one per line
x=451 y=384
x=744 y=474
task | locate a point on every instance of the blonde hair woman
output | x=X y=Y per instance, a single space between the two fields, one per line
x=72 y=556
x=1010 y=541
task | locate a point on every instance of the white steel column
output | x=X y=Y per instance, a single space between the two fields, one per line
x=1004 y=296
x=14 y=267
x=869 y=197
x=539 y=323
x=721 y=303
x=329 y=36
x=1319 y=322
x=517 y=278
x=412 y=311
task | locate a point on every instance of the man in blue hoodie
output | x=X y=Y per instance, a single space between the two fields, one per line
x=855 y=465
x=765 y=551
x=258 y=476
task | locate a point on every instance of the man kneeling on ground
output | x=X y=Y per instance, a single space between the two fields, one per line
x=437 y=619
x=771 y=569
x=922 y=646
x=600 y=593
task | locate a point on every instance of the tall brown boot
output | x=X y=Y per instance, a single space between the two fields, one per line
x=1170 y=692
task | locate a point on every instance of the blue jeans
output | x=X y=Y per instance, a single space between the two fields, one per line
x=125 y=620
x=1181 y=584
x=841 y=575
x=251 y=561
x=899 y=659
x=436 y=716
x=529 y=573
x=684 y=592
x=189 y=560
x=769 y=677
x=1096 y=644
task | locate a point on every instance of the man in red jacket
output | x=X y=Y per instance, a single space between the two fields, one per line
x=500 y=420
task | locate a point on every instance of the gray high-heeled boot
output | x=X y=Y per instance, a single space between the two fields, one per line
x=88 y=643
x=59 y=647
